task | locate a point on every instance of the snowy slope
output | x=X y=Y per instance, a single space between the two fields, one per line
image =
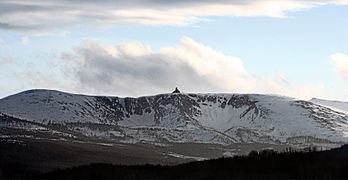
x=49 y=106
x=339 y=106
x=182 y=118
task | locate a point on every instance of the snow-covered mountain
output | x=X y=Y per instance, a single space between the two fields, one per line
x=223 y=119
x=339 y=106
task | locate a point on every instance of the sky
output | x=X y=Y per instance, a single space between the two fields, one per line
x=296 y=48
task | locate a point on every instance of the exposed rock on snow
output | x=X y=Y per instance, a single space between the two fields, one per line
x=181 y=118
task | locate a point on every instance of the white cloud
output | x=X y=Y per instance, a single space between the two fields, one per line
x=341 y=64
x=133 y=69
x=25 y=40
x=39 y=16
x=7 y=59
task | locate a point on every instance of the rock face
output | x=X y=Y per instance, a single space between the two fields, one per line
x=223 y=119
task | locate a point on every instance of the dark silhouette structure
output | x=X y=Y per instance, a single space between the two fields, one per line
x=176 y=90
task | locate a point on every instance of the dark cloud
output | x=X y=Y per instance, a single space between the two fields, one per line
x=99 y=69
x=40 y=16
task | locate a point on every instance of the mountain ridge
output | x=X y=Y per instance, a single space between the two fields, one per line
x=340 y=106
x=223 y=119
x=151 y=95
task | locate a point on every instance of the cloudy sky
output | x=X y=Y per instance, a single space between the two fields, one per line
x=295 y=48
